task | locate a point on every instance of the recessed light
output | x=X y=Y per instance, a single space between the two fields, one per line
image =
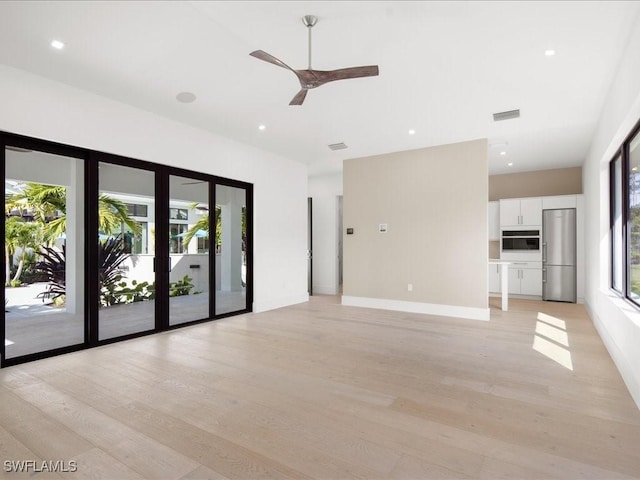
x=550 y=52
x=412 y=132
x=503 y=153
x=510 y=164
x=57 y=44
x=186 y=97
x=261 y=127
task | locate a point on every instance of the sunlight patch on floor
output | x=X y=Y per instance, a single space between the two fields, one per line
x=552 y=341
x=552 y=333
x=556 y=322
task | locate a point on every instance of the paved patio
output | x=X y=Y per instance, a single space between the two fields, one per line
x=34 y=326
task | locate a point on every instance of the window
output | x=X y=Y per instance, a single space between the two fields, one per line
x=177 y=232
x=203 y=245
x=624 y=176
x=633 y=218
x=136 y=210
x=135 y=243
x=616 y=223
x=178 y=214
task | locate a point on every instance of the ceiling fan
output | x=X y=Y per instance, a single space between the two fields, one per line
x=311 y=78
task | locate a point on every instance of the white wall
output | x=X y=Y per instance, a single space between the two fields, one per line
x=617 y=322
x=37 y=107
x=325 y=190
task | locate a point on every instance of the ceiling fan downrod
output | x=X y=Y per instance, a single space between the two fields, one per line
x=309 y=21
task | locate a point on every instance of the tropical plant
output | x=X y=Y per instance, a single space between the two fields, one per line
x=137 y=292
x=111 y=255
x=203 y=225
x=112 y=213
x=181 y=287
x=29 y=273
x=53 y=266
x=49 y=205
x=23 y=236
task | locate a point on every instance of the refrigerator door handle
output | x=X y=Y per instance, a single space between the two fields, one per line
x=544 y=252
x=544 y=275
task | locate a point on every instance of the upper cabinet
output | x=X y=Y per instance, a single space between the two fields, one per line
x=493 y=216
x=559 y=201
x=521 y=211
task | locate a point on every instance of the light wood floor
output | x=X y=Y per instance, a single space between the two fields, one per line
x=324 y=391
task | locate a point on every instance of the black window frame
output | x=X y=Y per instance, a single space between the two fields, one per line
x=623 y=155
x=92 y=160
x=138 y=210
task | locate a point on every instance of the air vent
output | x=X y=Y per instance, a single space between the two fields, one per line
x=337 y=146
x=506 y=115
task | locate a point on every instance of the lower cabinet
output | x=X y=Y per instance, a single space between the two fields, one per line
x=525 y=278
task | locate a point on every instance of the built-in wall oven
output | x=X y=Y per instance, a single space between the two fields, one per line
x=520 y=240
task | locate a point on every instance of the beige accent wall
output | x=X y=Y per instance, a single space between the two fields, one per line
x=540 y=183
x=434 y=201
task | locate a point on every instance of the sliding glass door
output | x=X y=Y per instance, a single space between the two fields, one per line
x=44 y=252
x=189 y=247
x=126 y=251
x=231 y=249
x=99 y=248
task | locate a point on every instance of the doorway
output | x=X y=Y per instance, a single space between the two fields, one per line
x=101 y=248
x=310 y=246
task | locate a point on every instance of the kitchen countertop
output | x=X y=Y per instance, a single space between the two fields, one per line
x=497 y=261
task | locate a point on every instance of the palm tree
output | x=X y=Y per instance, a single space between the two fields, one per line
x=49 y=206
x=20 y=235
x=203 y=224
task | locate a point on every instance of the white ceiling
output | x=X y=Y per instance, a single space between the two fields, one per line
x=445 y=67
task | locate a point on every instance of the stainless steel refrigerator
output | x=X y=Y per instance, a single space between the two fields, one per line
x=559 y=255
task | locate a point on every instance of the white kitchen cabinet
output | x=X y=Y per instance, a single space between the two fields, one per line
x=509 y=212
x=520 y=211
x=559 y=201
x=531 y=211
x=525 y=278
x=493 y=216
x=531 y=281
x=494 y=279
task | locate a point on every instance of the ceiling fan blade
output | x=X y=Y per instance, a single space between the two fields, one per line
x=262 y=55
x=299 y=98
x=346 y=73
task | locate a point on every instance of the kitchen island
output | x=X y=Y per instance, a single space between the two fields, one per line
x=504 y=280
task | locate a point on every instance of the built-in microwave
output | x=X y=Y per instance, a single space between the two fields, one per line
x=521 y=240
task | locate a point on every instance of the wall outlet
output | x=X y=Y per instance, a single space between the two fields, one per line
x=410 y=287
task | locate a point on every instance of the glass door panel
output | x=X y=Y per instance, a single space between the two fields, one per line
x=126 y=253
x=44 y=252
x=188 y=250
x=231 y=249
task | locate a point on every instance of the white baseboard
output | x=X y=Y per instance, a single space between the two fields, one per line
x=627 y=371
x=417 y=307
x=263 y=306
